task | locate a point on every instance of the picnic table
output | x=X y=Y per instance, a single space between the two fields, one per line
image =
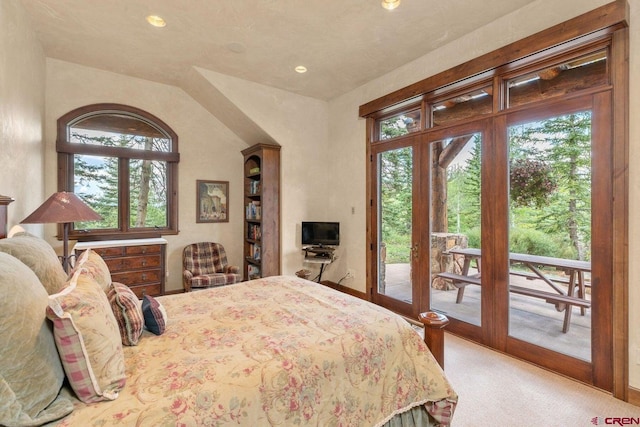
x=575 y=295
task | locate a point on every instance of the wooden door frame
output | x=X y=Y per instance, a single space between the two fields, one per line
x=599 y=371
x=373 y=150
x=484 y=126
x=609 y=20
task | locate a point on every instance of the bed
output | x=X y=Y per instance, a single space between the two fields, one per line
x=276 y=351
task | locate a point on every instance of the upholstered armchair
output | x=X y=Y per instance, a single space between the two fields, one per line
x=205 y=265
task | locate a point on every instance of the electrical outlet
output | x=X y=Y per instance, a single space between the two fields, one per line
x=351 y=274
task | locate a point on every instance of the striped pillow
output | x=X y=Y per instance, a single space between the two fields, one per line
x=127 y=309
x=88 y=341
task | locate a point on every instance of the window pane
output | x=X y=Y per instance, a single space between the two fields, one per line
x=395 y=187
x=96 y=182
x=147 y=193
x=455 y=225
x=470 y=104
x=114 y=130
x=399 y=125
x=550 y=233
x=577 y=74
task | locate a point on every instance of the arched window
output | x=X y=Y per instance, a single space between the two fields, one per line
x=123 y=162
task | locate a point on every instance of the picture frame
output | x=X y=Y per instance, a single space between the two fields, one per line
x=212 y=201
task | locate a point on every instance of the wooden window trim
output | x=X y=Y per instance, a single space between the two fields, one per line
x=67 y=150
x=608 y=22
x=594 y=24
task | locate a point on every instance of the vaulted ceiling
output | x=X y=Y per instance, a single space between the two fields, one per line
x=343 y=43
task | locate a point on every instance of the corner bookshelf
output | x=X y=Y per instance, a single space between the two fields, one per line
x=262 y=211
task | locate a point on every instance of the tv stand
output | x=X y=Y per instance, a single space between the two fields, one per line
x=319 y=251
x=322 y=255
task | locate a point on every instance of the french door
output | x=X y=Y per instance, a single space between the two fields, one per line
x=397 y=249
x=504 y=225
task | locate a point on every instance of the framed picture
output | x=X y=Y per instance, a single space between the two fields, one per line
x=212 y=201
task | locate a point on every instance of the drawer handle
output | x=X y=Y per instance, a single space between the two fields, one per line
x=144 y=263
x=144 y=277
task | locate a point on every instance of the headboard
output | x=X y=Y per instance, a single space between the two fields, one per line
x=4 y=202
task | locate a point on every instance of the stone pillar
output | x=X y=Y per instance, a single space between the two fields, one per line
x=441 y=260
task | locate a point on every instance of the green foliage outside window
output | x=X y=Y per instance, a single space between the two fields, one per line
x=97 y=183
x=550 y=191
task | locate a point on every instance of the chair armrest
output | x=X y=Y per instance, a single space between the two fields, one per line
x=186 y=280
x=233 y=269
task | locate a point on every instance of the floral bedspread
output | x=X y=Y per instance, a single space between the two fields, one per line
x=277 y=351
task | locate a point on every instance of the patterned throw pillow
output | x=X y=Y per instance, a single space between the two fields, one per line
x=128 y=312
x=155 y=316
x=88 y=339
x=96 y=268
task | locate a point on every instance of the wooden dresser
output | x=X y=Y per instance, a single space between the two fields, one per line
x=139 y=264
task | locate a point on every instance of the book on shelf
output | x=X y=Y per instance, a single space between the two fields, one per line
x=253 y=210
x=254 y=251
x=254 y=187
x=254 y=232
x=253 y=272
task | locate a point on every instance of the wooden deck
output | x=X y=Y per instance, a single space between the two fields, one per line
x=531 y=319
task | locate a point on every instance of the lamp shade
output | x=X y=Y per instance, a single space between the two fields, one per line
x=62 y=207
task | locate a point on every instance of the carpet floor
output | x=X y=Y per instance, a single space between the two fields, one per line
x=498 y=390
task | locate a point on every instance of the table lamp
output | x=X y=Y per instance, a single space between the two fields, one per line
x=63 y=208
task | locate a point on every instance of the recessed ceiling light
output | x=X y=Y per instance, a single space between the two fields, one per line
x=301 y=69
x=390 y=4
x=156 y=21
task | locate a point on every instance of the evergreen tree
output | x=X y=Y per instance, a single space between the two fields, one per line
x=97 y=181
x=564 y=144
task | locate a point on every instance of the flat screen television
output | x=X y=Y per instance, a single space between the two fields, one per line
x=320 y=233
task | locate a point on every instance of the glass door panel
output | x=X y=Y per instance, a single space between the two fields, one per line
x=455 y=214
x=550 y=233
x=395 y=224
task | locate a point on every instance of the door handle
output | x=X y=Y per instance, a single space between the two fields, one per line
x=415 y=250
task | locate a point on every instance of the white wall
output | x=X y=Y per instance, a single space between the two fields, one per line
x=22 y=80
x=208 y=150
x=299 y=125
x=347 y=133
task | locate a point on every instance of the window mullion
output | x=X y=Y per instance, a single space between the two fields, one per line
x=124 y=198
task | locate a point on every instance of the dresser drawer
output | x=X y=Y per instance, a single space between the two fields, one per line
x=131 y=278
x=142 y=250
x=152 y=289
x=115 y=251
x=139 y=264
x=133 y=263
